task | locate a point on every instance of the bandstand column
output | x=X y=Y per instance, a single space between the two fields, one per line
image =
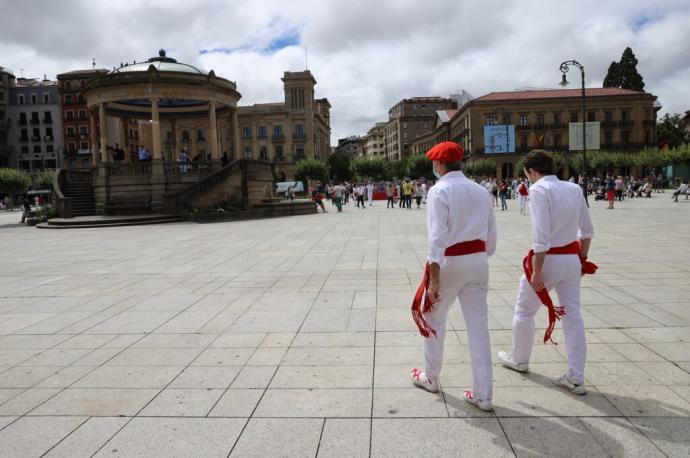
x=213 y=131
x=235 y=135
x=95 y=158
x=156 y=129
x=103 y=120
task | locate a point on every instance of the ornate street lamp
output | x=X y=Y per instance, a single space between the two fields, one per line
x=565 y=66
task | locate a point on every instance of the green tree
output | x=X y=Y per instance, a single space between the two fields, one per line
x=670 y=131
x=311 y=169
x=396 y=169
x=613 y=75
x=482 y=167
x=13 y=181
x=44 y=181
x=340 y=167
x=420 y=166
x=369 y=168
x=624 y=73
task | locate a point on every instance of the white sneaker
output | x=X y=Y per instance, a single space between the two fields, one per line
x=507 y=361
x=574 y=388
x=482 y=404
x=420 y=379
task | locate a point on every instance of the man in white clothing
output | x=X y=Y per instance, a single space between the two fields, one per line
x=370 y=193
x=559 y=216
x=462 y=235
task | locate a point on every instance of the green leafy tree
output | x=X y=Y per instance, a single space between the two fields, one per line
x=482 y=167
x=339 y=165
x=670 y=131
x=420 y=166
x=370 y=168
x=397 y=169
x=43 y=181
x=13 y=181
x=624 y=73
x=311 y=169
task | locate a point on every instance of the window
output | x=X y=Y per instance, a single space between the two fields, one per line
x=625 y=115
x=84 y=145
x=35 y=134
x=25 y=135
x=246 y=132
x=248 y=152
x=557 y=140
x=490 y=121
x=71 y=146
x=299 y=151
x=22 y=119
x=506 y=119
x=523 y=119
x=557 y=118
x=573 y=116
x=200 y=135
x=523 y=141
x=34 y=117
x=68 y=86
x=591 y=116
x=25 y=165
x=647 y=114
x=68 y=100
x=540 y=119
x=50 y=149
x=20 y=99
x=70 y=130
x=279 y=152
x=2 y=96
x=50 y=164
x=263 y=152
x=185 y=137
x=82 y=114
x=83 y=130
x=69 y=115
x=37 y=164
x=261 y=132
x=47 y=117
x=34 y=99
x=299 y=130
x=608 y=138
x=46 y=98
x=37 y=149
x=278 y=132
x=25 y=150
x=404 y=126
x=49 y=134
x=625 y=137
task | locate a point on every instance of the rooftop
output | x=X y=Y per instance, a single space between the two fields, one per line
x=34 y=82
x=555 y=94
x=162 y=63
x=446 y=115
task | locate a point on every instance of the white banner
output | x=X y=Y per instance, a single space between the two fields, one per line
x=575 y=136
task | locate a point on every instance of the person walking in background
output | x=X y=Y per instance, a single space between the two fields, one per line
x=682 y=189
x=503 y=193
x=359 y=191
x=389 y=195
x=407 y=192
x=418 y=195
x=523 y=194
x=338 y=195
x=610 y=188
x=620 y=185
x=370 y=193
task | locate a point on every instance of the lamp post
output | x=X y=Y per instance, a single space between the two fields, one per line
x=565 y=66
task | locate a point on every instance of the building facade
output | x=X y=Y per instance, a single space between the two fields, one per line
x=376 y=141
x=349 y=145
x=36 y=132
x=6 y=81
x=285 y=132
x=541 y=119
x=410 y=119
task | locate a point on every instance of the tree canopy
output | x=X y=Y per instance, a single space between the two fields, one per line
x=670 y=131
x=624 y=74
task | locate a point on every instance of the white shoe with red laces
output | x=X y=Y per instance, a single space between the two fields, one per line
x=420 y=379
x=482 y=404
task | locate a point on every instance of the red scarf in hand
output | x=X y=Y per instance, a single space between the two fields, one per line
x=555 y=313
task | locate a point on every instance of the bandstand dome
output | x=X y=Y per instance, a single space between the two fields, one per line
x=162 y=63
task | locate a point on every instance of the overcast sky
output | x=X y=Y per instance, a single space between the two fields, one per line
x=365 y=55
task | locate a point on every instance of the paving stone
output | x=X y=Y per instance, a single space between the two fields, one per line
x=279 y=437
x=334 y=403
x=345 y=437
x=88 y=438
x=322 y=377
x=129 y=377
x=96 y=402
x=21 y=438
x=671 y=435
x=206 y=377
x=175 y=437
x=237 y=403
x=408 y=402
x=185 y=402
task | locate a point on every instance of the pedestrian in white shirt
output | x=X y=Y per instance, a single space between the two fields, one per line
x=462 y=235
x=370 y=193
x=559 y=217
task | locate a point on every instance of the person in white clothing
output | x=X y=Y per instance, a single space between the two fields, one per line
x=523 y=194
x=462 y=235
x=370 y=193
x=559 y=217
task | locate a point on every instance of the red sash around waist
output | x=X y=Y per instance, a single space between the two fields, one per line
x=555 y=313
x=459 y=249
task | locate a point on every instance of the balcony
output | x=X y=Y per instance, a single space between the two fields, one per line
x=261 y=136
x=539 y=126
x=299 y=136
x=649 y=123
x=47 y=120
x=523 y=127
x=626 y=123
x=22 y=122
x=606 y=124
x=278 y=137
x=23 y=139
x=35 y=139
x=35 y=122
x=48 y=138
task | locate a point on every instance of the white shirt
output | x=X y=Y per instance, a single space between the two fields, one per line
x=370 y=189
x=559 y=214
x=458 y=210
x=683 y=188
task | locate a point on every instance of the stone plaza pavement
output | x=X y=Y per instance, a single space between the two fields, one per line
x=293 y=337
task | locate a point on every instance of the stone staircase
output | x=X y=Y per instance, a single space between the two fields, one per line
x=83 y=201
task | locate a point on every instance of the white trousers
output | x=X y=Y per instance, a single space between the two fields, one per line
x=370 y=196
x=562 y=273
x=523 y=203
x=467 y=279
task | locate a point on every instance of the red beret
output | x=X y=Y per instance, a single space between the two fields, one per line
x=446 y=152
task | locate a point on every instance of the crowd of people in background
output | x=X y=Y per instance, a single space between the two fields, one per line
x=407 y=193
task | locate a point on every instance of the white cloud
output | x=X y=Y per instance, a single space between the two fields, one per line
x=365 y=55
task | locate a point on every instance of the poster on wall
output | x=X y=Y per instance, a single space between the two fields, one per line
x=575 y=136
x=499 y=139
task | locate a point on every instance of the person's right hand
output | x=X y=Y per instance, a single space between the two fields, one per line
x=432 y=292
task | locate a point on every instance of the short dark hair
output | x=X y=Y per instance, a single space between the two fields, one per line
x=540 y=161
x=453 y=166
